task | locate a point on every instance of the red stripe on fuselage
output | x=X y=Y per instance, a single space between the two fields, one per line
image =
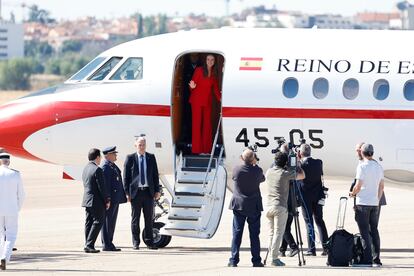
x=305 y=113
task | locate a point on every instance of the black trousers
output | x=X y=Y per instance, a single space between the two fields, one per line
x=145 y=202
x=311 y=211
x=108 y=228
x=93 y=224
x=367 y=220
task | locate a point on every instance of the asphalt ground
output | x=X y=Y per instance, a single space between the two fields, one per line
x=51 y=225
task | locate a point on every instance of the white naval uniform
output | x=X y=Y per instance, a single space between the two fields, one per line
x=11 y=200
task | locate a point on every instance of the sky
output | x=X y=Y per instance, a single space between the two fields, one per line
x=107 y=9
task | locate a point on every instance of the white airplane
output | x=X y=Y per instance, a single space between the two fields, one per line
x=334 y=88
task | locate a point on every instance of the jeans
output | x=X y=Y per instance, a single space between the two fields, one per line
x=367 y=219
x=311 y=211
x=253 y=221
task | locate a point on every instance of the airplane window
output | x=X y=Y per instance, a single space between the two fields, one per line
x=320 y=88
x=130 y=70
x=105 y=69
x=381 y=89
x=350 y=89
x=290 y=88
x=82 y=73
x=409 y=90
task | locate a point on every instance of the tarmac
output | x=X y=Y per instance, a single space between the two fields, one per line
x=51 y=226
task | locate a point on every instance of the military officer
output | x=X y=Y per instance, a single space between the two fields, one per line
x=114 y=186
x=11 y=201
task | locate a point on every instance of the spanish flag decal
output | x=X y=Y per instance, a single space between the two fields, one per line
x=248 y=63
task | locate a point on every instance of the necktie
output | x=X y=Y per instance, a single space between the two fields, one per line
x=141 y=169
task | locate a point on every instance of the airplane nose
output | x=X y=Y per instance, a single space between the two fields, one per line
x=19 y=120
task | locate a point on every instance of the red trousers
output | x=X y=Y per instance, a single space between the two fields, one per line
x=201 y=133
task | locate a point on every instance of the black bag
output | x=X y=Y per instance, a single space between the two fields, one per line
x=358 y=249
x=341 y=242
x=340 y=248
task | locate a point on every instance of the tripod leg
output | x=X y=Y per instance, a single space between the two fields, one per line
x=300 y=239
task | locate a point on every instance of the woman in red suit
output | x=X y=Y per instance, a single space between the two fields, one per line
x=202 y=85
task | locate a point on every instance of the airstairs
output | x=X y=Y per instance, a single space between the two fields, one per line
x=198 y=194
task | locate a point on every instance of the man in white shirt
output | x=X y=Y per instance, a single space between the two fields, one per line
x=368 y=190
x=11 y=201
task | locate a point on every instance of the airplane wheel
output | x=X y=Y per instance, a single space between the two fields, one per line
x=159 y=240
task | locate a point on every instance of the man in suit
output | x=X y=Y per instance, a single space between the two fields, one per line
x=246 y=204
x=96 y=199
x=312 y=192
x=113 y=182
x=141 y=185
x=11 y=201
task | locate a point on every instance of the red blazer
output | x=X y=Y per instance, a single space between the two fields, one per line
x=201 y=95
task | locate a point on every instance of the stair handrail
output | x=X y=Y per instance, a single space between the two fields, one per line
x=212 y=151
x=215 y=173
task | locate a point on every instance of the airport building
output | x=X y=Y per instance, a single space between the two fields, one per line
x=11 y=40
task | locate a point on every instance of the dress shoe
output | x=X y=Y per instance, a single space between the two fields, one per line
x=111 y=249
x=3 y=264
x=309 y=253
x=151 y=247
x=377 y=263
x=135 y=247
x=324 y=252
x=230 y=264
x=258 y=265
x=90 y=250
x=282 y=253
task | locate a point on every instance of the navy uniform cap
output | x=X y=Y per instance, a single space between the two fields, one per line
x=4 y=155
x=109 y=150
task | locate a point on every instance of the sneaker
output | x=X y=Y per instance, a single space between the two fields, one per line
x=282 y=253
x=293 y=252
x=277 y=262
x=309 y=253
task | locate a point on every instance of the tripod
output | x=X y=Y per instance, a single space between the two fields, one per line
x=298 y=234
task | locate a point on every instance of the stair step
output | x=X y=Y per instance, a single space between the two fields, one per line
x=191 y=181
x=180 y=229
x=183 y=218
x=186 y=206
x=193 y=169
x=199 y=161
x=189 y=194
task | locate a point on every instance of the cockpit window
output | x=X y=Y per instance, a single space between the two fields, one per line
x=82 y=73
x=130 y=70
x=105 y=69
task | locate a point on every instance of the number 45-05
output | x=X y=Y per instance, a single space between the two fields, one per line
x=294 y=136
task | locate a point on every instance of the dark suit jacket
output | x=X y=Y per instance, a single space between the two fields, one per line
x=246 y=192
x=95 y=194
x=131 y=174
x=113 y=182
x=311 y=186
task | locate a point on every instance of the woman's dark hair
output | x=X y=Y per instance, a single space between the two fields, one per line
x=93 y=154
x=281 y=159
x=214 y=70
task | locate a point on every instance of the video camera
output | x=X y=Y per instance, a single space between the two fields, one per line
x=254 y=149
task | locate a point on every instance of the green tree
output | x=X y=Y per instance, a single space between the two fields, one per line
x=71 y=46
x=15 y=74
x=40 y=49
x=39 y=15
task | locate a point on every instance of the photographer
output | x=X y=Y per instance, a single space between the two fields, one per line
x=312 y=190
x=277 y=181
